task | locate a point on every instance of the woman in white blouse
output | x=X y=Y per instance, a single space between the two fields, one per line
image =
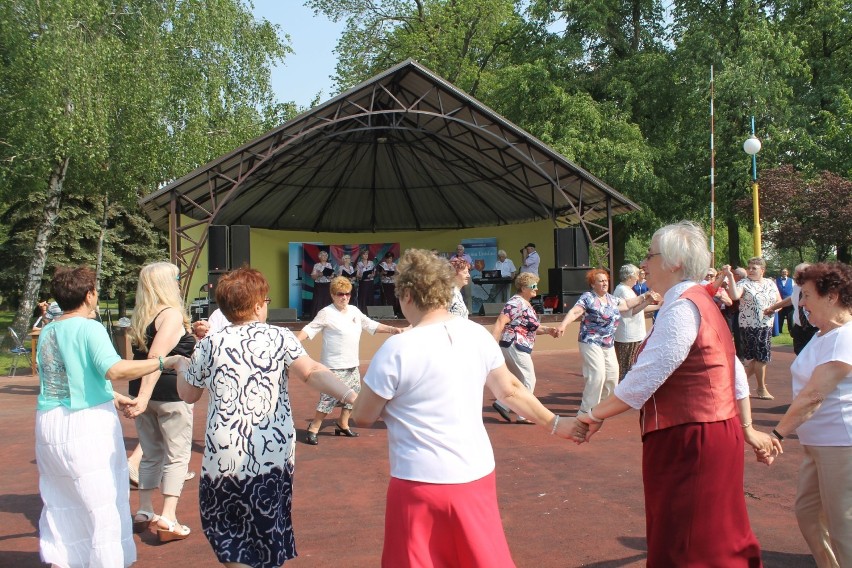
x=366 y=273
x=458 y=307
x=341 y=325
x=321 y=275
x=695 y=416
x=755 y=294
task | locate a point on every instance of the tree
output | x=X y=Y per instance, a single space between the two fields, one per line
x=109 y=99
x=798 y=210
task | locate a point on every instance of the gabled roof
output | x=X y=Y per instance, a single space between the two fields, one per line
x=405 y=150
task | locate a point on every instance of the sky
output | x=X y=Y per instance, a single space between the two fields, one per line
x=308 y=70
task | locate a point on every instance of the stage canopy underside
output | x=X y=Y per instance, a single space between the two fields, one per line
x=404 y=151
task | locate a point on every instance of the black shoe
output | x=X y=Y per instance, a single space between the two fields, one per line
x=502 y=412
x=338 y=431
x=311 y=438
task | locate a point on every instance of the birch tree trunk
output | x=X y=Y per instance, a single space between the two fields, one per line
x=45 y=231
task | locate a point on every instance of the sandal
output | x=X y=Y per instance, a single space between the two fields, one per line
x=142 y=520
x=189 y=475
x=763 y=394
x=175 y=530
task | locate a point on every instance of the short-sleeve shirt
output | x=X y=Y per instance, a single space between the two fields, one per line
x=457 y=304
x=73 y=357
x=341 y=335
x=531 y=263
x=320 y=268
x=756 y=297
x=432 y=377
x=249 y=420
x=632 y=326
x=599 y=319
x=523 y=323
x=831 y=424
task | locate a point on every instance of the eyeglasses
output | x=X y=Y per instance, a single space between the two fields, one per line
x=533 y=286
x=651 y=255
x=342 y=294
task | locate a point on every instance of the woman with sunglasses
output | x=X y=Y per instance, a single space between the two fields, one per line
x=341 y=325
x=515 y=331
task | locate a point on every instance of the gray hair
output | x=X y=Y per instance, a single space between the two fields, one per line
x=758 y=261
x=501 y=252
x=628 y=271
x=684 y=246
x=800 y=268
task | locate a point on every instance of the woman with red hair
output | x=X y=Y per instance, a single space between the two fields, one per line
x=601 y=313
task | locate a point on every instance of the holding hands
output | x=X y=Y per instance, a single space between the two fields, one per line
x=765 y=447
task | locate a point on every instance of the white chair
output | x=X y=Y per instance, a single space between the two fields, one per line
x=17 y=350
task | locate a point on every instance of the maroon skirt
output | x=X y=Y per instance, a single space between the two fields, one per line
x=695 y=510
x=429 y=524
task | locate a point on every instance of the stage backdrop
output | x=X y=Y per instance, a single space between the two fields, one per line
x=301 y=281
x=483 y=252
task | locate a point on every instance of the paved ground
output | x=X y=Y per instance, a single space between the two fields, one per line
x=562 y=505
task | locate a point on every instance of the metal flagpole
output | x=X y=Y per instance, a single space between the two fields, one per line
x=712 y=177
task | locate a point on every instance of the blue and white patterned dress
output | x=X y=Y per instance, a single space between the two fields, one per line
x=246 y=478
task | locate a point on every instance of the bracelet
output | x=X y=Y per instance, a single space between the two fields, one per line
x=162 y=367
x=555 y=424
x=592 y=416
x=746 y=425
x=777 y=435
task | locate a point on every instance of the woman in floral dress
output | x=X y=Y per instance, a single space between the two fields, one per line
x=246 y=486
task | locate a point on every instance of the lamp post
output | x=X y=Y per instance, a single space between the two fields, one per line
x=752 y=147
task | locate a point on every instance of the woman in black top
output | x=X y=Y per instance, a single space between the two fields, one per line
x=160 y=327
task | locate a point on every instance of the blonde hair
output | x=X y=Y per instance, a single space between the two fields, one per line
x=428 y=278
x=340 y=284
x=525 y=279
x=158 y=287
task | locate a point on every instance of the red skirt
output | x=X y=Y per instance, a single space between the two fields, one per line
x=436 y=525
x=695 y=510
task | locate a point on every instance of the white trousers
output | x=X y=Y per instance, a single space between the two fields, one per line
x=600 y=369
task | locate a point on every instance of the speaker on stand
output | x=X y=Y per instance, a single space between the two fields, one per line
x=571 y=247
x=217 y=248
x=239 y=238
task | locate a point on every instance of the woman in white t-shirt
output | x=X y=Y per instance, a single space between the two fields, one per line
x=341 y=325
x=631 y=330
x=821 y=414
x=427 y=386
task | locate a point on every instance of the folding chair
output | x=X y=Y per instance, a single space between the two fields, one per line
x=17 y=350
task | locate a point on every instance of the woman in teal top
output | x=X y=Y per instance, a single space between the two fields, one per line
x=79 y=446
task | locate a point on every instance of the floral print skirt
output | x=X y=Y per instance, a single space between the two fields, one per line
x=247 y=519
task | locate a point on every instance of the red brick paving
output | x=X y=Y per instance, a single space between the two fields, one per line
x=562 y=505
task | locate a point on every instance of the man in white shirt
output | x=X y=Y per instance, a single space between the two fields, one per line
x=505 y=265
x=531 y=259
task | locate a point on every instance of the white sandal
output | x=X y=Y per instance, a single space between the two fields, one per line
x=149 y=519
x=176 y=531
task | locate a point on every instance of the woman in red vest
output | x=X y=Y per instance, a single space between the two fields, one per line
x=695 y=415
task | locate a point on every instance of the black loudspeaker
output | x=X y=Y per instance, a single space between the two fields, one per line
x=567 y=280
x=212 y=280
x=217 y=248
x=240 y=238
x=567 y=301
x=571 y=247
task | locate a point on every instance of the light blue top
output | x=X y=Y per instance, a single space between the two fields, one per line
x=73 y=358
